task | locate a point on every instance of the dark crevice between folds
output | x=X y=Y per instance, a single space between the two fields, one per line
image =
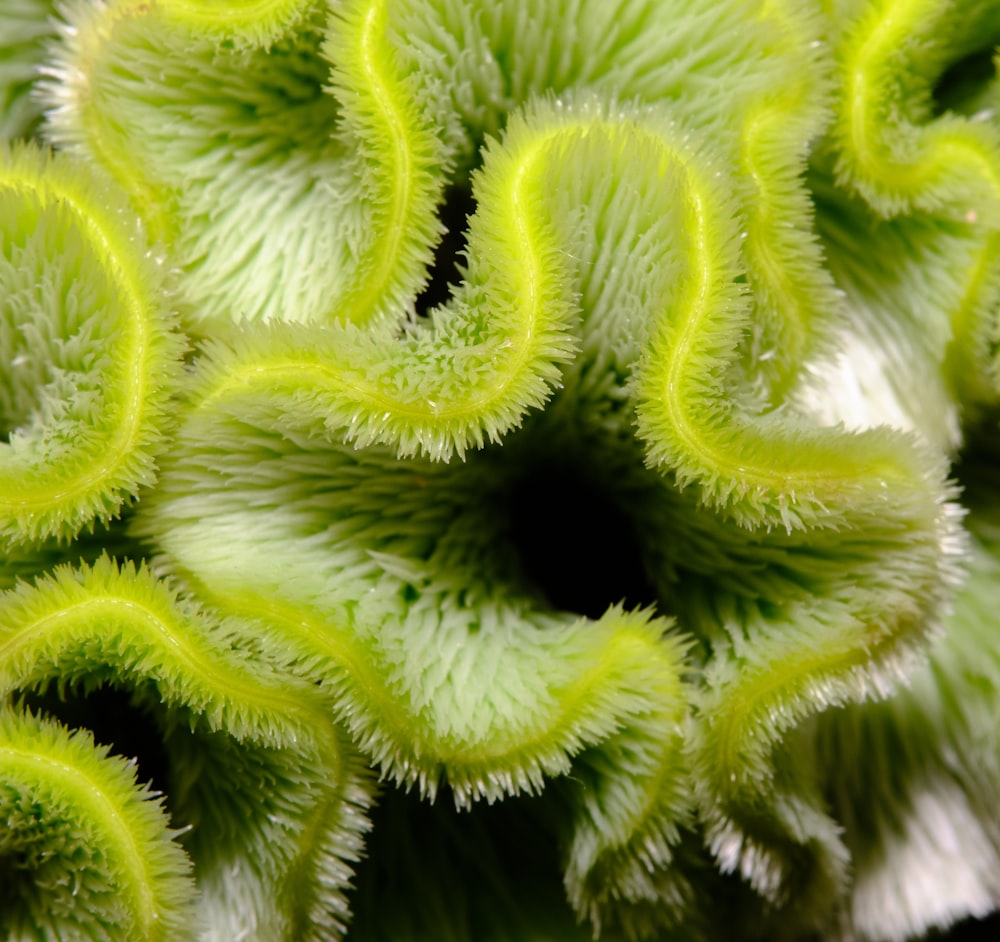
x=576 y=547
x=490 y=874
x=118 y=719
x=977 y=471
x=961 y=86
x=446 y=270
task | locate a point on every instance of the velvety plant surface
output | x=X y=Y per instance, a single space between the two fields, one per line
x=499 y=470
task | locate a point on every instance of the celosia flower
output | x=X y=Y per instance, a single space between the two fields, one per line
x=621 y=563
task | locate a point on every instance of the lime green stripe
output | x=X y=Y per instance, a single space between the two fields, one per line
x=37 y=493
x=94 y=803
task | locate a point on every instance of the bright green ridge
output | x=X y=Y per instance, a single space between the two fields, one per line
x=488 y=698
x=80 y=826
x=925 y=755
x=903 y=161
x=229 y=464
x=360 y=183
x=91 y=352
x=731 y=264
x=404 y=160
x=471 y=375
x=245 y=22
x=248 y=725
x=339 y=165
x=791 y=292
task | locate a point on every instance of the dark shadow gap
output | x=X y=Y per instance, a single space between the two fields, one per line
x=961 y=84
x=446 y=271
x=576 y=546
x=492 y=873
x=116 y=720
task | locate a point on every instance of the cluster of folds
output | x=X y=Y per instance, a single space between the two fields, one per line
x=498 y=470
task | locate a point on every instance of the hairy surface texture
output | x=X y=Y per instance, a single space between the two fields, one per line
x=577 y=417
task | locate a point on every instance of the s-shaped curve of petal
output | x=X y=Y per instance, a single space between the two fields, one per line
x=87 y=347
x=486 y=358
x=830 y=508
x=95 y=858
x=652 y=261
x=263 y=159
x=444 y=666
x=270 y=796
x=918 y=167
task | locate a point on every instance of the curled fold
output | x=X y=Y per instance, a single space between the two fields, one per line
x=251 y=156
x=935 y=174
x=88 y=852
x=88 y=345
x=913 y=779
x=446 y=668
x=328 y=135
x=271 y=797
x=767 y=365
x=398 y=610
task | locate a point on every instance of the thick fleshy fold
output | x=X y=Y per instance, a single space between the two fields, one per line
x=89 y=346
x=270 y=798
x=731 y=266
